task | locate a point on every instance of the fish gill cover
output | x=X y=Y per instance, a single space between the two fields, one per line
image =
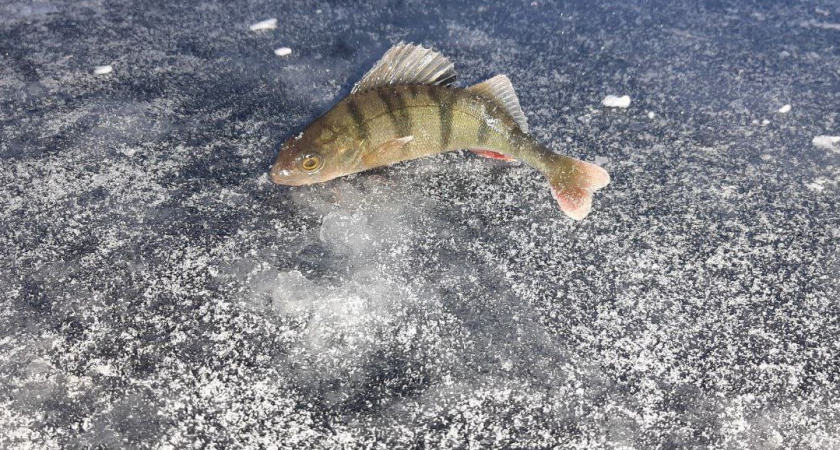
x=160 y=292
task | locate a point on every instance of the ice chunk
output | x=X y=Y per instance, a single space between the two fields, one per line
x=827 y=142
x=784 y=109
x=613 y=101
x=283 y=51
x=102 y=70
x=651 y=114
x=268 y=24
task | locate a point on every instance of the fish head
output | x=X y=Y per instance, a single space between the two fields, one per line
x=307 y=159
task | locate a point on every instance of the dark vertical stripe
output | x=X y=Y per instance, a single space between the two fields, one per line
x=358 y=118
x=396 y=112
x=447 y=112
x=483 y=132
x=412 y=89
x=406 y=125
x=386 y=99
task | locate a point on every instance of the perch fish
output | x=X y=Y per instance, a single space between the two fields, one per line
x=406 y=107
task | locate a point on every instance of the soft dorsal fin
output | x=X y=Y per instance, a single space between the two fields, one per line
x=499 y=90
x=408 y=64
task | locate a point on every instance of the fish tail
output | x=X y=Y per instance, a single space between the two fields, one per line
x=572 y=183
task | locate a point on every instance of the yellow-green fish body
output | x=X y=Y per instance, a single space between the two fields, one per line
x=397 y=113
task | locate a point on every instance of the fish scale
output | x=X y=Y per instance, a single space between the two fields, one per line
x=460 y=122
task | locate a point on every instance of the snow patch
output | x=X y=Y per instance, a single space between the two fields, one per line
x=31 y=9
x=822 y=25
x=105 y=370
x=784 y=109
x=821 y=183
x=103 y=70
x=827 y=142
x=283 y=51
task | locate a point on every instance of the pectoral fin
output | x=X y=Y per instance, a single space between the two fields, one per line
x=389 y=150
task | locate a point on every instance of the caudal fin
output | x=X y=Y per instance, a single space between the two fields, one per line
x=572 y=185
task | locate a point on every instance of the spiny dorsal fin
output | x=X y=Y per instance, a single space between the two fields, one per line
x=499 y=90
x=408 y=64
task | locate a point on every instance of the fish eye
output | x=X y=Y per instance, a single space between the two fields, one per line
x=311 y=162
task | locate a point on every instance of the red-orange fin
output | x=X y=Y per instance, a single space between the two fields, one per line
x=573 y=189
x=574 y=201
x=493 y=155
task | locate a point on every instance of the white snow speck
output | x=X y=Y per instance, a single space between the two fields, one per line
x=601 y=160
x=827 y=142
x=102 y=70
x=651 y=114
x=105 y=370
x=612 y=101
x=283 y=51
x=784 y=109
x=268 y=24
x=765 y=122
x=129 y=151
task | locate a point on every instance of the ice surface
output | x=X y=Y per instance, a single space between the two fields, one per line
x=160 y=292
x=613 y=101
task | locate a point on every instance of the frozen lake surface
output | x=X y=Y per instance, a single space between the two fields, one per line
x=160 y=292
